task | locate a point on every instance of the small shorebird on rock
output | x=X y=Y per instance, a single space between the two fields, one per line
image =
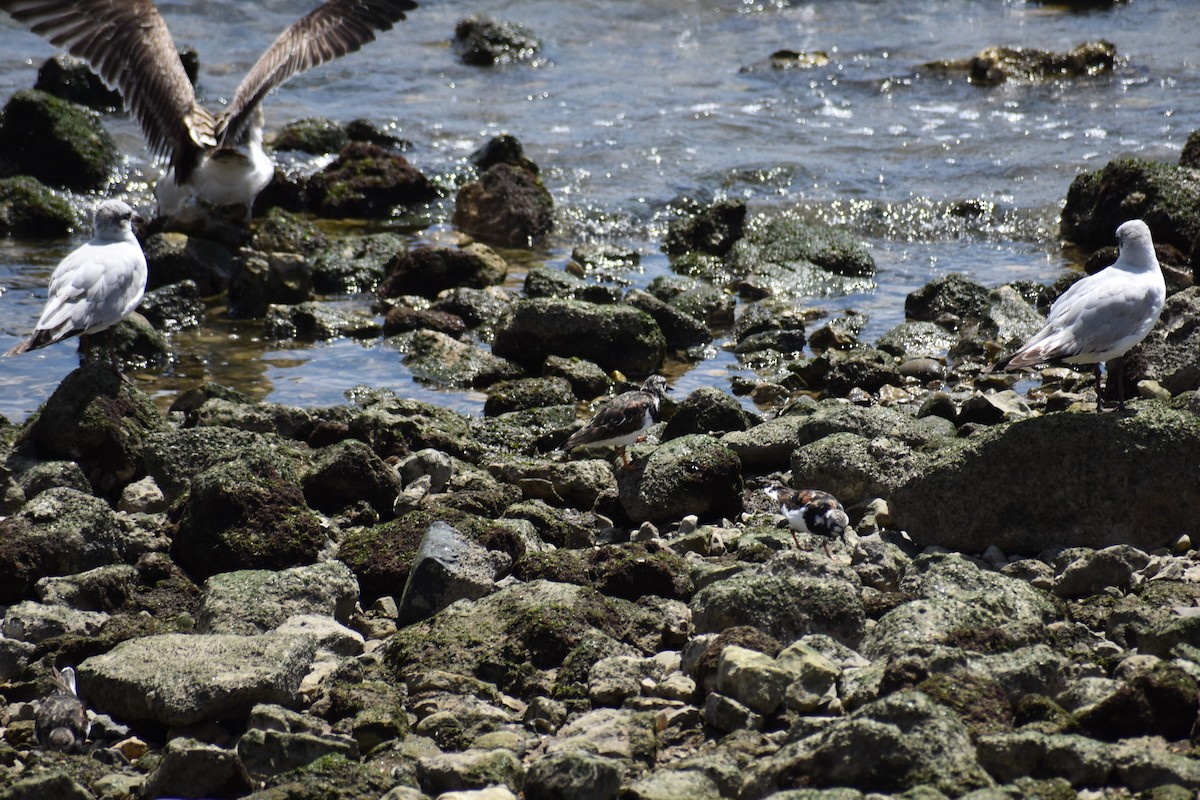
x=96 y=286
x=1103 y=315
x=810 y=511
x=622 y=420
x=215 y=158
x=60 y=721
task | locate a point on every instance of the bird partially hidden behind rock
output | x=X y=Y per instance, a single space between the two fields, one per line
x=61 y=722
x=622 y=420
x=810 y=511
x=96 y=286
x=1103 y=315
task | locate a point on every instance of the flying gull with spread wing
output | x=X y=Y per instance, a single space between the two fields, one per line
x=216 y=158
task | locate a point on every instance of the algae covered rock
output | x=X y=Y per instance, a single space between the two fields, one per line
x=1166 y=197
x=1087 y=470
x=367 y=181
x=507 y=205
x=28 y=208
x=615 y=337
x=100 y=421
x=693 y=474
x=58 y=142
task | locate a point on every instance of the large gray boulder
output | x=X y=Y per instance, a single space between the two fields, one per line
x=1060 y=480
x=255 y=601
x=179 y=679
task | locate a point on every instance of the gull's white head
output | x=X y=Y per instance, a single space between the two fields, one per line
x=1134 y=244
x=113 y=220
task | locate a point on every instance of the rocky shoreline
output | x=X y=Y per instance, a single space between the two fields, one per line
x=389 y=599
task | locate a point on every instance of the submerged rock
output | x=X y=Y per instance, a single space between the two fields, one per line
x=993 y=66
x=483 y=41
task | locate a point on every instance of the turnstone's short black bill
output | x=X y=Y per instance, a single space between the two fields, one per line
x=1103 y=315
x=810 y=511
x=215 y=158
x=622 y=420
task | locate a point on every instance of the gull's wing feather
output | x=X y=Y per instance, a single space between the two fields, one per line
x=332 y=30
x=128 y=45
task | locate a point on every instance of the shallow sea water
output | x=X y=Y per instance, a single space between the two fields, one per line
x=631 y=108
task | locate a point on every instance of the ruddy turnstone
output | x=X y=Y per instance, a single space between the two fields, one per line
x=621 y=420
x=810 y=511
x=96 y=286
x=216 y=158
x=60 y=720
x=1103 y=315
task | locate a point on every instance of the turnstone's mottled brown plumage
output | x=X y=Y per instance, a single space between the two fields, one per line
x=622 y=420
x=60 y=721
x=810 y=511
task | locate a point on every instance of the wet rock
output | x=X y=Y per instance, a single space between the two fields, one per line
x=174 y=307
x=502 y=149
x=707 y=410
x=27 y=208
x=446 y=567
x=71 y=79
x=783 y=604
x=694 y=474
x=482 y=41
x=427 y=271
x=245 y=514
x=99 y=421
x=1165 y=196
x=892 y=745
x=937 y=504
x=615 y=337
x=917 y=339
x=61 y=144
x=367 y=181
x=260 y=280
x=180 y=679
x=476 y=307
x=526 y=393
x=315 y=321
x=993 y=66
x=190 y=768
x=950 y=299
x=782 y=255
x=680 y=328
x=355 y=263
x=573 y=775
x=507 y=205
x=439 y=359
x=1167 y=355
x=587 y=379
x=711 y=230
x=172 y=257
x=281 y=231
x=349 y=472
x=256 y=601
x=510 y=636
x=544 y=282
x=403 y=319
x=315 y=135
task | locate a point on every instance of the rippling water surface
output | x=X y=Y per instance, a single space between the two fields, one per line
x=632 y=107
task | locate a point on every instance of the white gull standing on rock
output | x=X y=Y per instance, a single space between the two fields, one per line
x=96 y=286
x=1103 y=315
x=216 y=158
